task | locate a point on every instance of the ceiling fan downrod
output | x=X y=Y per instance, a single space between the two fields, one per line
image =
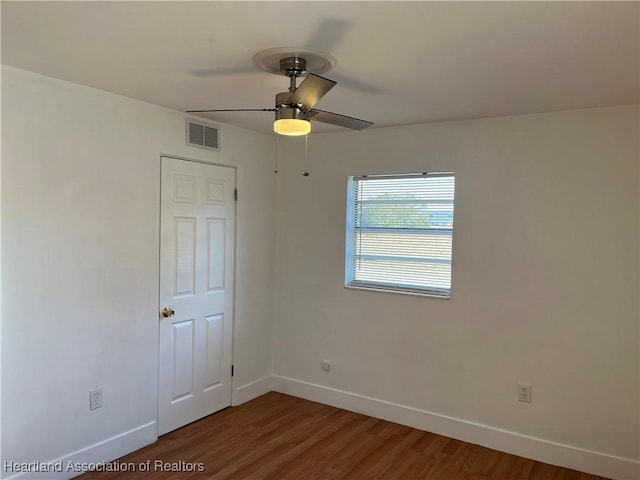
x=293 y=67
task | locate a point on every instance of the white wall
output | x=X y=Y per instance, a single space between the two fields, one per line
x=80 y=213
x=545 y=284
x=545 y=276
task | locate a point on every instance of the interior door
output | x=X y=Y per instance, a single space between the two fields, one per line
x=197 y=214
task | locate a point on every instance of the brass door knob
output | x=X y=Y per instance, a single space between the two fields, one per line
x=168 y=312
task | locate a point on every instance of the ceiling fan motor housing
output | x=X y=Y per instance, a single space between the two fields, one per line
x=282 y=100
x=292 y=112
x=286 y=110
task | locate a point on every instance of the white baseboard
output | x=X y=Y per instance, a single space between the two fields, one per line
x=72 y=465
x=251 y=390
x=596 y=463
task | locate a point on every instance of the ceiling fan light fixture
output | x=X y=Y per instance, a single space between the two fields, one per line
x=292 y=127
x=292 y=121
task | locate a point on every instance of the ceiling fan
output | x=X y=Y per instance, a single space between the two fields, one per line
x=294 y=108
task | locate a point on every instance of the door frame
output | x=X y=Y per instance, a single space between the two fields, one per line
x=158 y=234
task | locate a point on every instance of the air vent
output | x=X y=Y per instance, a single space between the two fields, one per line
x=203 y=135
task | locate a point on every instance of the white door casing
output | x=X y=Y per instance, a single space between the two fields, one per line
x=197 y=216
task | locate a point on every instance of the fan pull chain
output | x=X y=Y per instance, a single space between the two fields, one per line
x=306 y=156
x=275 y=170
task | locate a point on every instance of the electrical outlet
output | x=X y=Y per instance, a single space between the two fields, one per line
x=524 y=393
x=325 y=365
x=95 y=399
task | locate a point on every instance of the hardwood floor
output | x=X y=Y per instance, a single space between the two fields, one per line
x=281 y=437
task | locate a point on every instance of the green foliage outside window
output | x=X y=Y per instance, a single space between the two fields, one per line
x=400 y=211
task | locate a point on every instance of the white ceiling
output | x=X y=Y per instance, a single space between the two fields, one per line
x=398 y=63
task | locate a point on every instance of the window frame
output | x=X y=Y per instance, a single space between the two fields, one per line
x=350 y=280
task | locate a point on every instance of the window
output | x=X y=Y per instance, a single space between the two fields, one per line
x=399 y=233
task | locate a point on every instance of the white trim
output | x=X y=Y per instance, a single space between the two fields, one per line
x=98 y=453
x=196 y=160
x=399 y=291
x=546 y=451
x=251 y=390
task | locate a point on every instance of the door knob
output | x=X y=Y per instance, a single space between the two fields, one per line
x=168 y=312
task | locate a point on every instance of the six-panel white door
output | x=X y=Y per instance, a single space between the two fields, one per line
x=196 y=291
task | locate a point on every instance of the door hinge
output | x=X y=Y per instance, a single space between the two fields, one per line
x=232 y=370
x=235 y=194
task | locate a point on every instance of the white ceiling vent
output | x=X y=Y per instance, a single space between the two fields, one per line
x=200 y=134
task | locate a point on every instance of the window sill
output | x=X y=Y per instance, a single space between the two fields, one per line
x=401 y=292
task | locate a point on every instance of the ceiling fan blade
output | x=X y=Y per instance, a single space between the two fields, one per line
x=312 y=89
x=355 y=84
x=339 y=120
x=214 y=72
x=328 y=33
x=234 y=110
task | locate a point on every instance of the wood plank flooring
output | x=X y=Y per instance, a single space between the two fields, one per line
x=281 y=437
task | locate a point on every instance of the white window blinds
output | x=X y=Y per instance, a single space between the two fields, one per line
x=399 y=233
